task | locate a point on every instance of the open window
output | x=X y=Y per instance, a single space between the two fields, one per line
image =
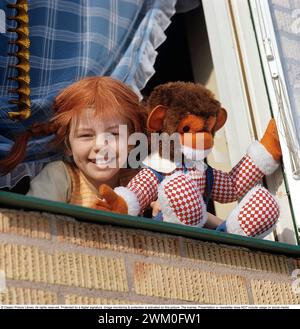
x=229 y=54
x=277 y=32
x=246 y=90
x=220 y=47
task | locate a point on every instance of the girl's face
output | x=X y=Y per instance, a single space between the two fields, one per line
x=99 y=147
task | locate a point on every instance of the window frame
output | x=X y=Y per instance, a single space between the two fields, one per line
x=244 y=92
x=232 y=95
x=270 y=68
x=29 y=203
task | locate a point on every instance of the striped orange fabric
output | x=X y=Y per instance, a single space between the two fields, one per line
x=83 y=193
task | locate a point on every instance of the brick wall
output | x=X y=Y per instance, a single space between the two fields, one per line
x=49 y=259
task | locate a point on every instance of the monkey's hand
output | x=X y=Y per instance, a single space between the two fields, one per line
x=270 y=141
x=110 y=201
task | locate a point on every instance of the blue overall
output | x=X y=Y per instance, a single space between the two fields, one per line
x=208 y=190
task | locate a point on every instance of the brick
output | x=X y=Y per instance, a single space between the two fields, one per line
x=117 y=239
x=270 y=292
x=26 y=296
x=296 y=263
x=85 y=300
x=63 y=268
x=237 y=258
x=189 y=284
x=29 y=224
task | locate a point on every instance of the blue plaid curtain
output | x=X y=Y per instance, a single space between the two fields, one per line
x=71 y=39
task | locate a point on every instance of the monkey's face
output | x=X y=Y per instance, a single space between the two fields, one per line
x=188 y=109
x=196 y=132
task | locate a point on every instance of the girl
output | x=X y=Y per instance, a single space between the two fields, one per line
x=86 y=114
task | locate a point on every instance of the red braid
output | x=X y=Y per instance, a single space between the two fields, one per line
x=108 y=96
x=18 y=151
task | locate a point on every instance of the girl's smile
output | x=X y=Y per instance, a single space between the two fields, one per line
x=99 y=147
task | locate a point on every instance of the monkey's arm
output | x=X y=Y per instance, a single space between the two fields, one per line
x=262 y=159
x=229 y=187
x=132 y=199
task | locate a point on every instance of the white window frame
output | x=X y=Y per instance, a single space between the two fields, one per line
x=242 y=91
x=260 y=9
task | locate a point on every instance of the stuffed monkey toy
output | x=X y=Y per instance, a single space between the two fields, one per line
x=181 y=188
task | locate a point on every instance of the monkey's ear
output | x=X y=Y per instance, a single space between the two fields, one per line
x=156 y=118
x=221 y=118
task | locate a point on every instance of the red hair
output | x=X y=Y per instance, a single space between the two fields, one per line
x=106 y=95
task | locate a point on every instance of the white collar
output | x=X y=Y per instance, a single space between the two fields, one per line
x=156 y=162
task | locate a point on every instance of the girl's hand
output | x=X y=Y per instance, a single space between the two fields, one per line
x=110 y=201
x=155 y=208
x=212 y=221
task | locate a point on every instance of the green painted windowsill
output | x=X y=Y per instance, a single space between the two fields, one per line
x=18 y=201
